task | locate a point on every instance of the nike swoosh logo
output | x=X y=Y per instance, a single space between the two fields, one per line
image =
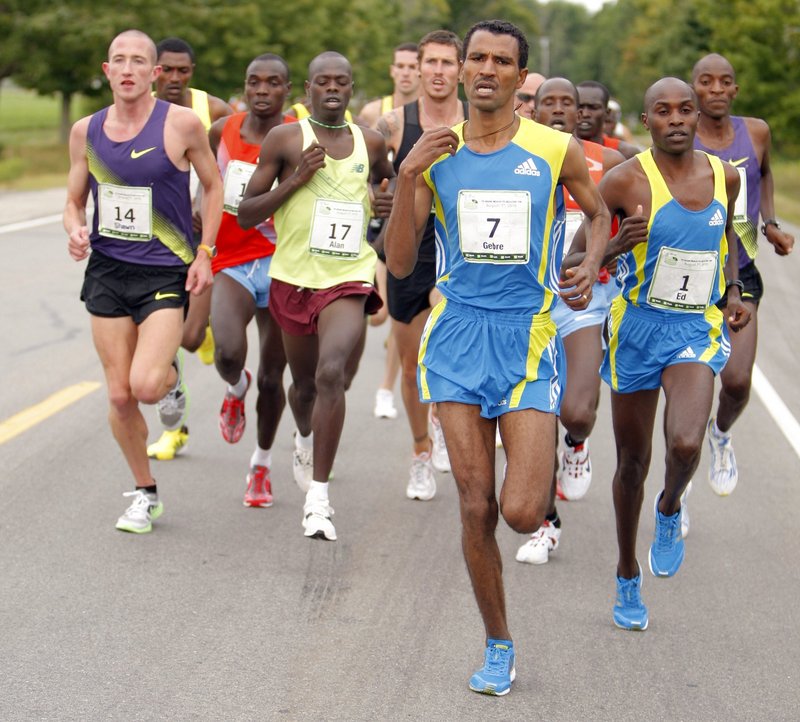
x=734 y=163
x=160 y=295
x=139 y=153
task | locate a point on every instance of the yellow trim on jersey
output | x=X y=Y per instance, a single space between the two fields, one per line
x=618 y=307
x=715 y=320
x=201 y=107
x=437 y=311
x=387 y=104
x=541 y=332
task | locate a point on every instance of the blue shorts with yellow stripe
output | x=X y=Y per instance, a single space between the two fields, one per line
x=643 y=342
x=499 y=361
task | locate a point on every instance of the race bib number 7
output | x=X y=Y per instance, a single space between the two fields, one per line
x=125 y=212
x=494 y=226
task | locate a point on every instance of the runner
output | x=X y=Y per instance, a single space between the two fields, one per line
x=745 y=144
x=411 y=298
x=177 y=60
x=134 y=157
x=404 y=72
x=665 y=331
x=526 y=95
x=323 y=268
x=557 y=107
x=241 y=268
x=490 y=351
x=592 y=107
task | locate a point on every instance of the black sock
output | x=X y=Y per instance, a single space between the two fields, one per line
x=152 y=489
x=553 y=519
x=571 y=442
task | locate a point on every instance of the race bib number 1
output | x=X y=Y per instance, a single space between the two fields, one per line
x=237 y=176
x=494 y=226
x=125 y=212
x=683 y=280
x=337 y=228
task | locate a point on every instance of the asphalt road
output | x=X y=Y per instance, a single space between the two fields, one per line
x=225 y=612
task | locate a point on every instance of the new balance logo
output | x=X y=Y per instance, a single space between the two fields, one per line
x=357 y=168
x=527 y=168
x=688 y=352
x=717 y=219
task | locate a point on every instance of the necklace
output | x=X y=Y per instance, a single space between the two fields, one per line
x=486 y=135
x=424 y=115
x=325 y=125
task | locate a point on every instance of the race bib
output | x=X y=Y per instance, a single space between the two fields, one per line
x=337 y=229
x=574 y=221
x=740 y=207
x=125 y=212
x=683 y=280
x=494 y=226
x=237 y=176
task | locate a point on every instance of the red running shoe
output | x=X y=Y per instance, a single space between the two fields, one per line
x=259 y=488
x=231 y=415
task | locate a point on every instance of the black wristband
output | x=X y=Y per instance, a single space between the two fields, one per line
x=769 y=222
x=736 y=283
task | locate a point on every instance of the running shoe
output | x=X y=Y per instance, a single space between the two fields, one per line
x=543 y=542
x=302 y=466
x=205 y=352
x=143 y=510
x=172 y=408
x=668 y=549
x=723 y=474
x=169 y=445
x=685 y=511
x=259 y=488
x=317 y=520
x=575 y=472
x=441 y=461
x=629 y=610
x=384 y=405
x=498 y=670
x=421 y=483
x=231 y=415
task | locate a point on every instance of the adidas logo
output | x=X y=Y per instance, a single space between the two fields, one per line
x=688 y=352
x=717 y=219
x=528 y=167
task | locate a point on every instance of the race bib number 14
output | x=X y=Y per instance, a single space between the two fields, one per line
x=125 y=212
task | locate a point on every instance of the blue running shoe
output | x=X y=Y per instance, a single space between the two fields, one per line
x=629 y=611
x=668 y=549
x=498 y=669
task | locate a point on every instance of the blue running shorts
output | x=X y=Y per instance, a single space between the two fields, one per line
x=499 y=361
x=643 y=342
x=569 y=321
x=254 y=276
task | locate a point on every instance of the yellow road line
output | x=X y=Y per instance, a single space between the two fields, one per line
x=33 y=415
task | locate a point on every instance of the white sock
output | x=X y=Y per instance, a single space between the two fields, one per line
x=317 y=491
x=240 y=388
x=304 y=442
x=261 y=457
x=717 y=432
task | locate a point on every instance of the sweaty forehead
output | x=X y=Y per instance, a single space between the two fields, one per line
x=590 y=95
x=439 y=50
x=557 y=88
x=175 y=60
x=482 y=41
x=713 y=65
x=266 y=68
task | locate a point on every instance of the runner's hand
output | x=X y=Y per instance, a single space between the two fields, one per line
x=311 y=160
x=783 y=243
x=577 y=286
x=632 y=232
x=78 y=244
x=382 y=199
x=200 y=276
x=431 y=145
x=738 y=314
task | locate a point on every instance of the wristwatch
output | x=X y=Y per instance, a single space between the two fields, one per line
x=210 y=250
x=736 y=283
x=769 y=222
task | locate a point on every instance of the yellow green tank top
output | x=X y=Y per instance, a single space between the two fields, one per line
x=300 y=112
x=321 y=228
x=387 y=104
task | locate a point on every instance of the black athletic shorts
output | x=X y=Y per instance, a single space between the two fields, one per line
x=753 y=285
x=411 y=295
x=115 y=289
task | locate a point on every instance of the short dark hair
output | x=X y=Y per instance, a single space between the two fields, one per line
x=597 y=86
x=500 y=27
x=175 y=45
x=406 y=47
x=440 y=37
x=276 y=58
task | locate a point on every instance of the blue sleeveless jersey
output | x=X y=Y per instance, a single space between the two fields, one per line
x=504 y=210
x=696 y=237
x=142 y=162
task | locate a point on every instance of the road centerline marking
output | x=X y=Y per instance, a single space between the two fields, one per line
x=778 y=410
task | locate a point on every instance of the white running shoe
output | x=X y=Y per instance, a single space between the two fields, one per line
x=139 y=515
x=317 y=520
x=172 y=408
x=685 y=511
x=723 y=474
x=422 y=483
x=302 y=465
x=575 y=472
x=384 y=405
x=543 y=542
x=441 y=461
